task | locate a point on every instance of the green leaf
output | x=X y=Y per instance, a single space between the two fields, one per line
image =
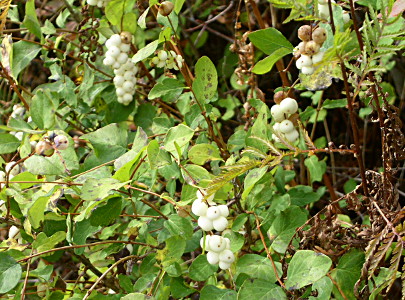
x=259 y=267
x=115 y=10
x=108 y=142
x=8 y=143
x=265 y=65
x=284 y=225
x=145 y=52
x=347 y=272
x=129 y=22
x=44 y=243
x=337 y=103
x=200 y=269
x=106 y=214
x=98 y=189
x=324 y=288
x=31 y=19
x=270 y=40
x=206 y=80
x=259 y=289
x=181 y=134
x=195 y=174
x=239 y=221
x=210 y=292
x=23 y=54
x=36 y=211
x=305 y=268
x=179 y=226
x=179 y=289
x=10 y=273
x=82 y=230
x=251 y=179
x=201 y=153
x=142 y=19
x=302 y=195
x=167 y=86
x=137 y=296
x=178 y=4
x=157 y=157
x=316 y=168
x=43 y=109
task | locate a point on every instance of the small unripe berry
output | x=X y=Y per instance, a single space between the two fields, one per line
x=323 y=11
x=307 y=70
x=289 y=106
x=116 y=65
x=277 y=113
x=126 y=37
x=286 y=126
x=227 y=256
x=220 y=223
x=61 y=142
x=304 y=33
x=319 y=35
x=205 y=223
x=212 y=257
x=292 y=136
x=312 y=48
x=165 y=8
x=279 y=96
x=223 y=265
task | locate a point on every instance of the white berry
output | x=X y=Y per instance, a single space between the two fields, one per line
x=213 y=213
x=217 y=243
x=227 y=256
x=119 y=80
x=207 y=246
x=318 y=57
x=13 y=232
x=307 y=70
x=15 y=170
x=122 y=58
x=223 y=265
x=220 y=223
x=199 y=208
x=224 y=210
x=125 y=47
x=61 y=142
x=289 y=106
x=205 y=223
x=200 y=195
x=114 y=40
x=277 y=113
x=286 y=126
x=212 y=257
x=114 y=51
x=292 y=136
x=120 y=92
x=108 y=61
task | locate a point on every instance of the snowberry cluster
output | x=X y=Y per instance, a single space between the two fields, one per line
x=210 y=217
x=124 y=69
x=213 y=216
x=284 y=114
x=309 y=49
x=168 y=59
x=219 y=251
x=98 y=3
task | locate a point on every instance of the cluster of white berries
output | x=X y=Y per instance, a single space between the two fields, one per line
x=98 y=3
x=219 y=251
x=283 y=115
x=213 y=216
x=124 y=69
x=309 y=49
x=168 y=59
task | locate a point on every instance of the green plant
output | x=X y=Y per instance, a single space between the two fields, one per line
x=143 y=158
